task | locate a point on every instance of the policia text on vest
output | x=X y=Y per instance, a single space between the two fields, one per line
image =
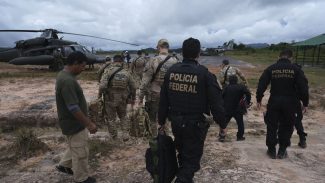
x=183 y=82
x=283 y=73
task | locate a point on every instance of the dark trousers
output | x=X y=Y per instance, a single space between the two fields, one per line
x=280 y=120
x=240 y=122
x=190 y=133
x=298 y=122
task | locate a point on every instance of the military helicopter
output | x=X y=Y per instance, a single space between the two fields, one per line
x=48 y=49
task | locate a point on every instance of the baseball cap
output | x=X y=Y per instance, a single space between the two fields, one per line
x=163 y=42
x=225 y=62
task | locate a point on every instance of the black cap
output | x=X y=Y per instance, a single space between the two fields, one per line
x=225 y=62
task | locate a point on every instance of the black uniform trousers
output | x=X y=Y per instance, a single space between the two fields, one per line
x=298 y=122
x=190 y=132
x=281 y=114
x=239 y=120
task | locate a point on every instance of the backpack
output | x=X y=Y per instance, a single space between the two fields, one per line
x=96 y=111
x=243 y=105
x=161 y=161
x=140 y=126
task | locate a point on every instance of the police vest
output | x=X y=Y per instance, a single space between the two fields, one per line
x=187 y=88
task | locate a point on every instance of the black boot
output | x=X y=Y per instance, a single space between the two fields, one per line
x=241 y=138
x=222 y=137
x=180 y=181
x=271 y=152
x=282 y=153
x=302 y=140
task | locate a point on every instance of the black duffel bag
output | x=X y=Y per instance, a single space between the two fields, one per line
x=161 y=161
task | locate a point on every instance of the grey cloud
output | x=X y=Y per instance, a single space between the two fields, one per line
x=146 y=21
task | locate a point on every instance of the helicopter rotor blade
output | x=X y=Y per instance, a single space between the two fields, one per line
x=13 y=30
x=98 y=38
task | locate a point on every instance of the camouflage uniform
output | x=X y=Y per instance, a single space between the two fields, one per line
x=58 y=63
x=102 y=69
x=137 y=67
x=231 y=71
x=116 y=94
x=152 y=89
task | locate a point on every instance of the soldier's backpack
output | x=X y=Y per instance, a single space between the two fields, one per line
x=140 y=123
x=161 y=161
x=96 y=113
x=118 y=80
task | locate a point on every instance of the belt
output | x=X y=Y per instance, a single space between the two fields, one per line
x=185 y=113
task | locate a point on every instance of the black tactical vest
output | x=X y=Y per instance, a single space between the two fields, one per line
x=186 y=83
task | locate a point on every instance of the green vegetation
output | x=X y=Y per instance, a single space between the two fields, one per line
x=27 y=144
x=254 y=56
x=262 y=58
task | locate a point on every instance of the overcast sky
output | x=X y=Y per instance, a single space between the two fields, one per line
x=213 y=22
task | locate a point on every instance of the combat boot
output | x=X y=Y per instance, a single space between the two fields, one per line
x=282 y=153
x=241 y=138
x=271 y=152
x=222 y=137
x=89 y=180
x=180 y=181
x=302 y=141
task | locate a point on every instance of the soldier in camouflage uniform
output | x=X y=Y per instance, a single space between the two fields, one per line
x=146 y=56
x=152 y=80
x=226 y=71
x=58 y=63
x=102 y=69
x=118 y=88
x=137 y=66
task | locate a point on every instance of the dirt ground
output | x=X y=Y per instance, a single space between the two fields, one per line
x=31 y=102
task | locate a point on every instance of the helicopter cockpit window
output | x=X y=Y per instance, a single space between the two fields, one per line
x=46 y=34
x=85 y=50
x=78 y=48
x=67 y=50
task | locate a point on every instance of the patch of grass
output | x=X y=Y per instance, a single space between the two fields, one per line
x=315 y=76
x=259 y=57
x=27 y=144
x=252 y=82
x=263 y=58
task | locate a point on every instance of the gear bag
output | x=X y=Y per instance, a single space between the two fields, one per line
x=161 y=160
x=140 y=123
x=96 y=111
x=243 y=105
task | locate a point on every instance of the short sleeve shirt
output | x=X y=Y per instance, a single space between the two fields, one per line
x=68 y=92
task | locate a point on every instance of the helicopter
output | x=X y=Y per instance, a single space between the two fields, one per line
x=49 y=49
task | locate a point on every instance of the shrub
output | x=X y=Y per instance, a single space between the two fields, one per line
x=26 y=143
